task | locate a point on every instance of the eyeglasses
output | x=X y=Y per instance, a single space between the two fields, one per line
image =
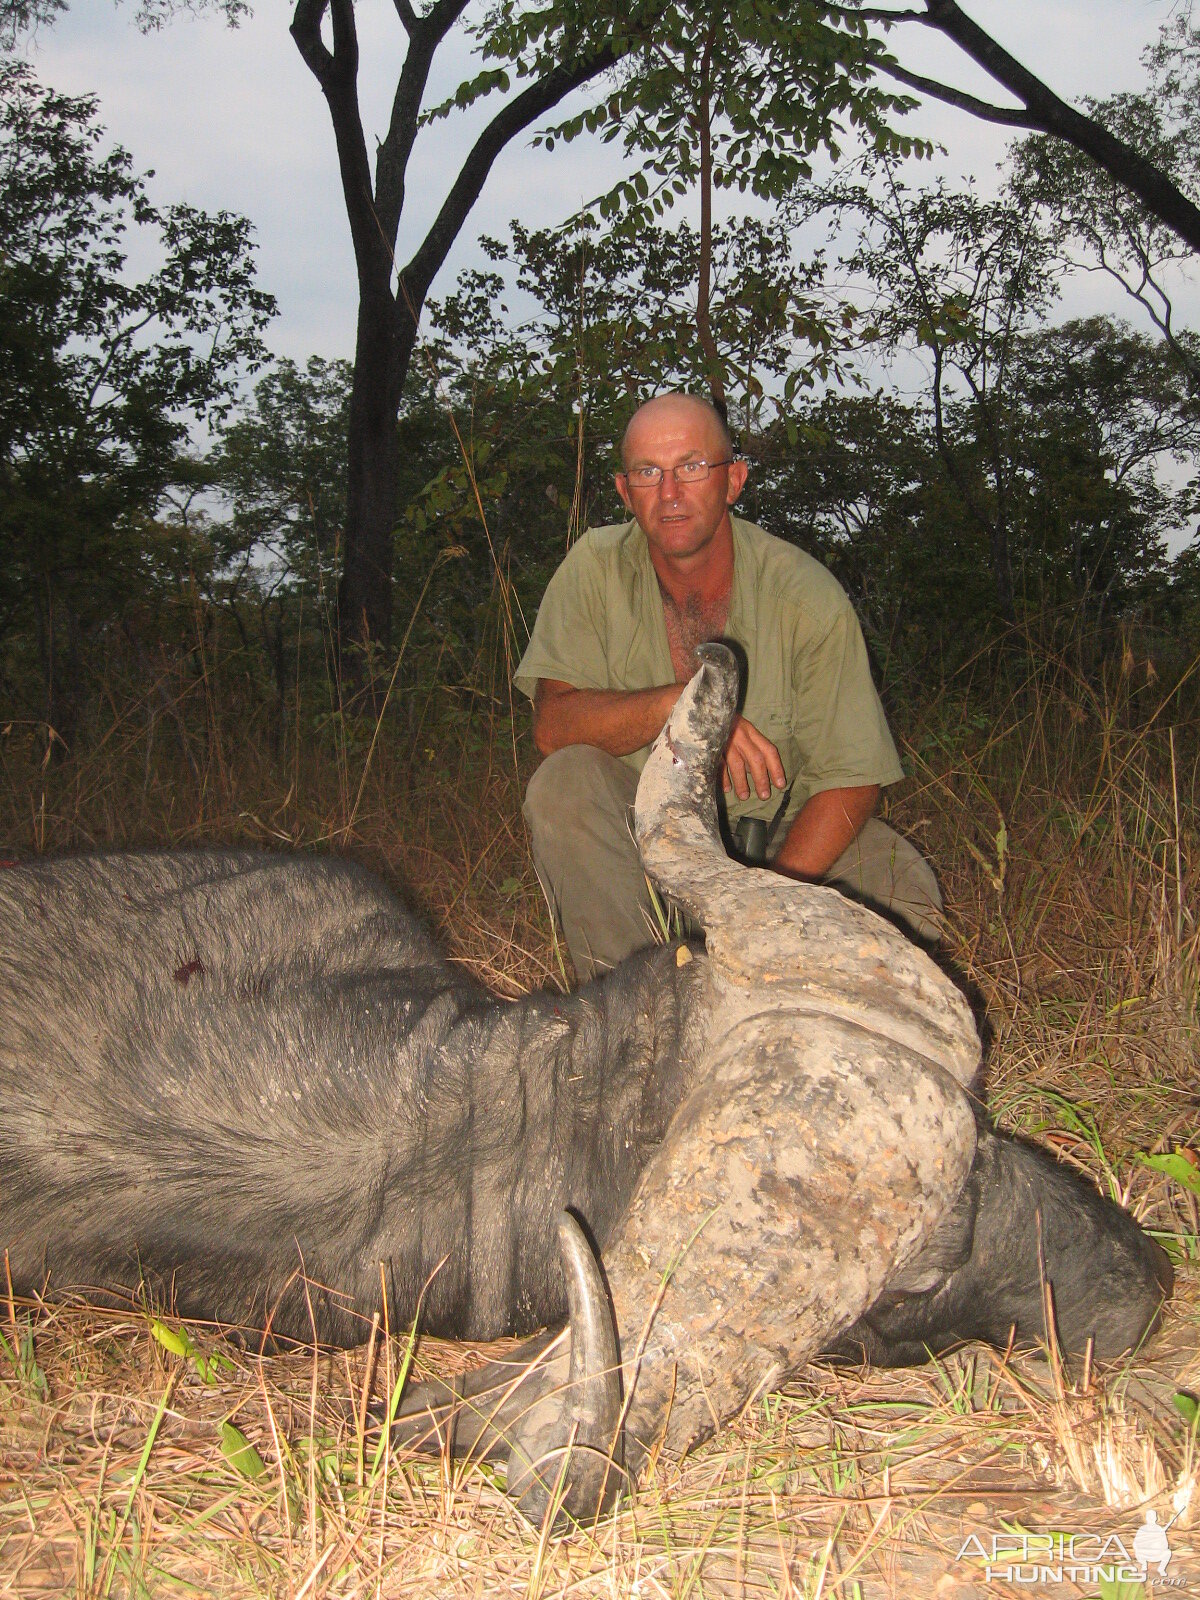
x=685 y=472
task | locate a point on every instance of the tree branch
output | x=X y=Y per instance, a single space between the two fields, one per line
x=1048 y=114
x=345 y=38
x=509 y=121
x=408 y=17
x=337 y=74
x=876 y=14
x=1008 y=116
x=306 y=31
x=443 y=16
x=391 y=163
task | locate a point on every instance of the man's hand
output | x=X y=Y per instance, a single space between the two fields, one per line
x=751 y=760
x=620 y=721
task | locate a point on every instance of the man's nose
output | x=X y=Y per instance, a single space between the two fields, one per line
x=668 y=489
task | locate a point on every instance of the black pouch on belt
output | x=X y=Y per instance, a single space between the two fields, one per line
x=750 y=840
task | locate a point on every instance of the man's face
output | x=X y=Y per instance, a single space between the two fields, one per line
x=679 y=519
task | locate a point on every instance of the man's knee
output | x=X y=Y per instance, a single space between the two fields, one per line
x=572 y=783
x=577 y=808
x=889 y=873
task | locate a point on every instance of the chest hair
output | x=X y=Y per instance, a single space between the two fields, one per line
x=690 y=623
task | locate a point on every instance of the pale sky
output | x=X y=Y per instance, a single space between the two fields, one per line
x=233 y=119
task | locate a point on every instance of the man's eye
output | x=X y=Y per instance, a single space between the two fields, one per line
x=691 y=470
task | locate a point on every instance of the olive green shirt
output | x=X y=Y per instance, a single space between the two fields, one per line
x=601 y=626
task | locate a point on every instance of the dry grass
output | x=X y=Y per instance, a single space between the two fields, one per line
x=875 y=1481
x=1063 y=825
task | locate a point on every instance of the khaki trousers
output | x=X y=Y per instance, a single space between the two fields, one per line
x=579 y=811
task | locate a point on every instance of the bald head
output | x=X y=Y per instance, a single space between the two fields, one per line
x=684 y=514
x=700 y=417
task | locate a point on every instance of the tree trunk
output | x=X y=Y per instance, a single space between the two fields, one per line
x=702 y=120
x=382 y=354
x=387 y=323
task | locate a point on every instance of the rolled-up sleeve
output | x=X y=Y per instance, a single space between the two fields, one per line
x=568 y=639
x=838 y=719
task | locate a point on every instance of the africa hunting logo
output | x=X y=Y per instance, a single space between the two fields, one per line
x=1092 y=1558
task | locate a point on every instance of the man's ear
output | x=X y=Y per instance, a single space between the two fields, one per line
x=623 y=490
x=736 y=481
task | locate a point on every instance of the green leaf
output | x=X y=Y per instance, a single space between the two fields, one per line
x=1188 y=1407
x=179 y=1344
x=240 y=1453
x=1177 y=1165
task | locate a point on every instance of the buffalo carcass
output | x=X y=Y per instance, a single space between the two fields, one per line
x=242 y=1081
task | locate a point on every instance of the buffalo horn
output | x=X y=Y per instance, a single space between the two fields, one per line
x=557 y=1419
x=567 y=1452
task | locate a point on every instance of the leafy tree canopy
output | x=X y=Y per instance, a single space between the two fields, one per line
x=101 y=373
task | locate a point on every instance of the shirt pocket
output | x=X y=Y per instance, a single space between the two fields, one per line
x=774 y=721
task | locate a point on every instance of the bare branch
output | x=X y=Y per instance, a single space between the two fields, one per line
x=408 y=16
x=876 y=14
x=1041 y=110
x=443 y=16
x=1007 y=116
x=306 y=31
x=391 y=163
x=345 y=37
x=1054 y=116
x=337 y=73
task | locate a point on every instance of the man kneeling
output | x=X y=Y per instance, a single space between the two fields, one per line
x=611 y=651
